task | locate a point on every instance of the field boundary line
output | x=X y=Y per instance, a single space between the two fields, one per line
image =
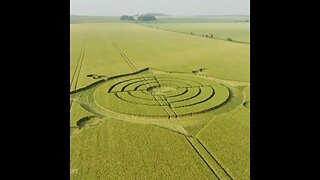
x=181 y=32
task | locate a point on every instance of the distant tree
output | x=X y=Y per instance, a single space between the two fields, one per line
x=191 y=33
x=211 y=35
x=229 y=39
x=146 y=18
x=206 y=35
x=128 y=18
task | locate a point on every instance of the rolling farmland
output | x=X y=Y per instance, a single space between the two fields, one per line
x=150 y=103
x=236 y=31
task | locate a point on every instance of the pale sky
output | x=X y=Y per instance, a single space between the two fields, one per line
x=170 y=7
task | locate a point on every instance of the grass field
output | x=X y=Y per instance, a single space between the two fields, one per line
x=236 y=31
x=148 y=103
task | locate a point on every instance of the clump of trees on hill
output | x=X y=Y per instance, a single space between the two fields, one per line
x=146 y=17
x=128 y=18
x=229 y=39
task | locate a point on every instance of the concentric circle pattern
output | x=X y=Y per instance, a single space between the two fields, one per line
x=160 y=95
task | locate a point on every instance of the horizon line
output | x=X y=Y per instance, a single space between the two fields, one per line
x=163 y=15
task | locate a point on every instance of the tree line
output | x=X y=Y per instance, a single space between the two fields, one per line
x=145 y=17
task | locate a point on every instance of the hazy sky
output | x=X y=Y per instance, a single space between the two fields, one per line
x=170 y=7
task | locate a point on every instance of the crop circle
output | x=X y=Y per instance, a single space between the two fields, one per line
x=160 y=95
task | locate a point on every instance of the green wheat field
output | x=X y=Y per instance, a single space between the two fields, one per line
x=163 y=100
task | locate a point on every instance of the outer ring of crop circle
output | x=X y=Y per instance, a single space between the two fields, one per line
x=142 y=115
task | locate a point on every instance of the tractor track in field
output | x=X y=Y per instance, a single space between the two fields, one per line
x=80 y=65
x=77 y=66
x=196 y=150
x=224 y=175
x=214 y=159
x=131 y=65
x=78 y=69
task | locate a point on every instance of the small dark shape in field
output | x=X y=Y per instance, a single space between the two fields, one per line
x=203 y=69
x=89 y=121
x=195 y=71
x=96 y=76
x=229 y=39
x=91 y=75
x=246 y=104
x=200 y=72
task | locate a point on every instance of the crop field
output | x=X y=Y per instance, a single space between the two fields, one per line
x=236 y=31
x=148 y=102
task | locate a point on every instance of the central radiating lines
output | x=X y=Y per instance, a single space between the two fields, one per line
x=134 y=69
